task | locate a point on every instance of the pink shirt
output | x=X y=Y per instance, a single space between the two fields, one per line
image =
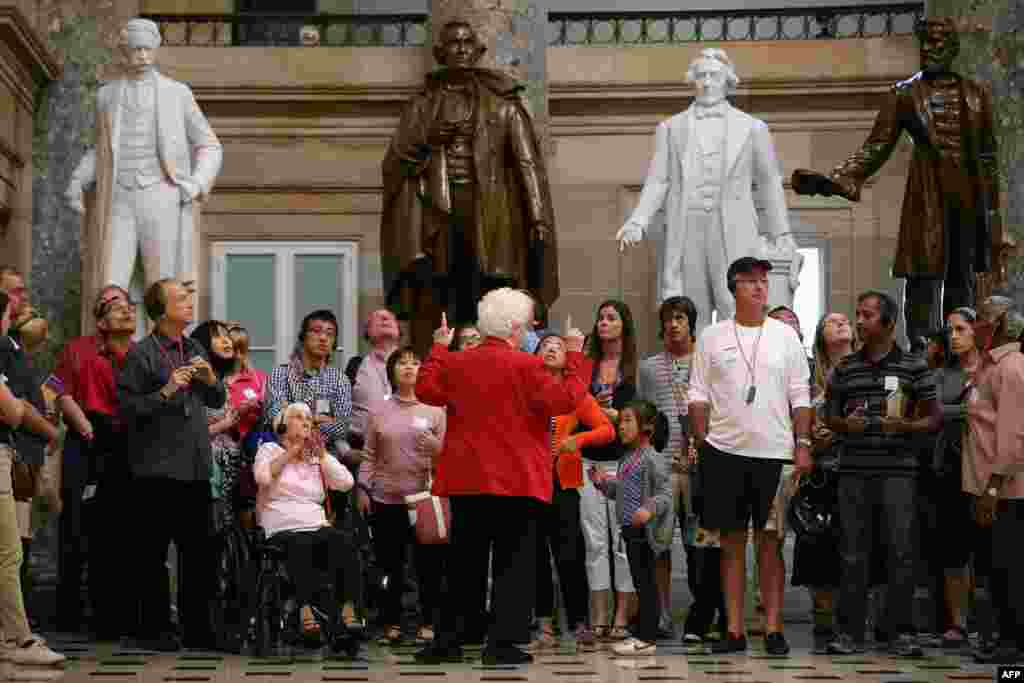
x=995 y=424
x=396 y=466
x=371 y=387
x=244 y=386
x=294 y=500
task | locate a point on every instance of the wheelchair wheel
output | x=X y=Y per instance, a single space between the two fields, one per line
x=270 y=616
x=226 y=611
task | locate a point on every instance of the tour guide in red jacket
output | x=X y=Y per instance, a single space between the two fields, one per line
x=495 y=468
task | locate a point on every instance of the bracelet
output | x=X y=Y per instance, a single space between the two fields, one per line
x=804 y=441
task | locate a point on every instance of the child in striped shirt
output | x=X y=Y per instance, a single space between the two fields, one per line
x=643 y=508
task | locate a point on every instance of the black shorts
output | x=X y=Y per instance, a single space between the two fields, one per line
x=738 y=489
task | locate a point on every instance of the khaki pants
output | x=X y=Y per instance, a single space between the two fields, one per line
x=13 y=623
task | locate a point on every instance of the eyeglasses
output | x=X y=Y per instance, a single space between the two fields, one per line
x=324 y=330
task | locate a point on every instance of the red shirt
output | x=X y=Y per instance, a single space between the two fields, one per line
x=246 y=386
x=87 y=376
x=500 y=402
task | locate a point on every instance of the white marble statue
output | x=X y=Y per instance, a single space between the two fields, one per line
x=706 y=162
x=155 y=158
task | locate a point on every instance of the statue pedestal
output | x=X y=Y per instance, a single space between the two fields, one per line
x=784 y=276
x=780 y=293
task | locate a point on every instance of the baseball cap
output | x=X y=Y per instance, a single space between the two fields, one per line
x=747 y=264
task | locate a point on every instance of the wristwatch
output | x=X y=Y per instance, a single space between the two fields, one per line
x=804 y=441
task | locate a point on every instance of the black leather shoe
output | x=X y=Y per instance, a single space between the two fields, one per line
x=165 y=642
x=729 y=644
x=1003 y=654
x=439 y=654
x=775 y=643
x=506 y=655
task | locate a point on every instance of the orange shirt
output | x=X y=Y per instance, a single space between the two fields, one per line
x=569 y=466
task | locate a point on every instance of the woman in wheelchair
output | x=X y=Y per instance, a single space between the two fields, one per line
x=293 y=478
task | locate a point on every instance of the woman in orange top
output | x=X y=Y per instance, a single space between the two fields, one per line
x=558 y=531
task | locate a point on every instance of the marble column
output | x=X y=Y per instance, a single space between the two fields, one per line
x=515 y=33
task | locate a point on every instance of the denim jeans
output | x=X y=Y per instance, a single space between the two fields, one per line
x=13 y=622
x=886 y=503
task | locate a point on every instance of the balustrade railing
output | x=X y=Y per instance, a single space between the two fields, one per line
x=564 y=28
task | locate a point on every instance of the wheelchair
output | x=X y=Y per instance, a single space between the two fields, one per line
x=274 y=623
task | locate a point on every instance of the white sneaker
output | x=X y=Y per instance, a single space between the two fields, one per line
x=624 y=647
x=634 y=647
x=32 y=652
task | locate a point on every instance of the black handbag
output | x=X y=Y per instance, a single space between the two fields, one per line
x=814 y=508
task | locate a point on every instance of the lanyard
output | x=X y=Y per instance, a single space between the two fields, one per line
x=751 y=366
x=171 y=365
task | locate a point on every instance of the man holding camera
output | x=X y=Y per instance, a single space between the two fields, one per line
x=878 y=399
x=164 y=388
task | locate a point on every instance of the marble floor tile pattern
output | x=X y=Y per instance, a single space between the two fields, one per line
x=108 y=663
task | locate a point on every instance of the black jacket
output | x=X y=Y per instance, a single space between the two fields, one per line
x=25 y=382
x=170 y=438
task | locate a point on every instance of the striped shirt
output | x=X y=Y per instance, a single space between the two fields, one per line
x=857 y=384
x=631 y=478
x=664 y=381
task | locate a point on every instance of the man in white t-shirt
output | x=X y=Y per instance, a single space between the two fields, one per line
x=749 y=405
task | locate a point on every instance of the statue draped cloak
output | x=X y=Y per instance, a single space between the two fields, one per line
x=511 y=188
x=923 y=237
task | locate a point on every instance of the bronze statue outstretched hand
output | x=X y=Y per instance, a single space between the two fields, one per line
x=809 y=182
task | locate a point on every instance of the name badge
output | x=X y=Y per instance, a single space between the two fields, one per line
x=892 y=383
x=420 y=422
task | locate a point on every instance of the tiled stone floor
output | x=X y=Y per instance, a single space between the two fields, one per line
x=91 y=663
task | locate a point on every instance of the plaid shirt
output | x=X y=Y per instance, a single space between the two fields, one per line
x=329 y=384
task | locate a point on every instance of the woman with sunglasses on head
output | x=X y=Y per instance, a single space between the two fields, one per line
x=816 y=560
x=611 y=366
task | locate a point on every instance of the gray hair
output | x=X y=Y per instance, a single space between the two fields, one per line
x=282 y=418
x=996 y=307
x=500 y=309
x=140 y=28
x=714 y=54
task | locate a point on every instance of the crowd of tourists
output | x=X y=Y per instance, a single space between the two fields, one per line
x=514 y=458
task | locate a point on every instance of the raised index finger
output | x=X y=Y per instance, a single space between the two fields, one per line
x=444 y=320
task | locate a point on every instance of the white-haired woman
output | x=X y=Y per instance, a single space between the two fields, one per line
x=495 y=467
x=293 y=478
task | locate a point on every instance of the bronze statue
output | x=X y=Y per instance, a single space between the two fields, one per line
x=467 y=206
x=950 y=230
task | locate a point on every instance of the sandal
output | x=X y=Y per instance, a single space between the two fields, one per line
x=601 y=632
x=310 y=626
x=350 y=620
x=425 y=634
x=618 y=633
x=391 y=635
x=545 y=641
